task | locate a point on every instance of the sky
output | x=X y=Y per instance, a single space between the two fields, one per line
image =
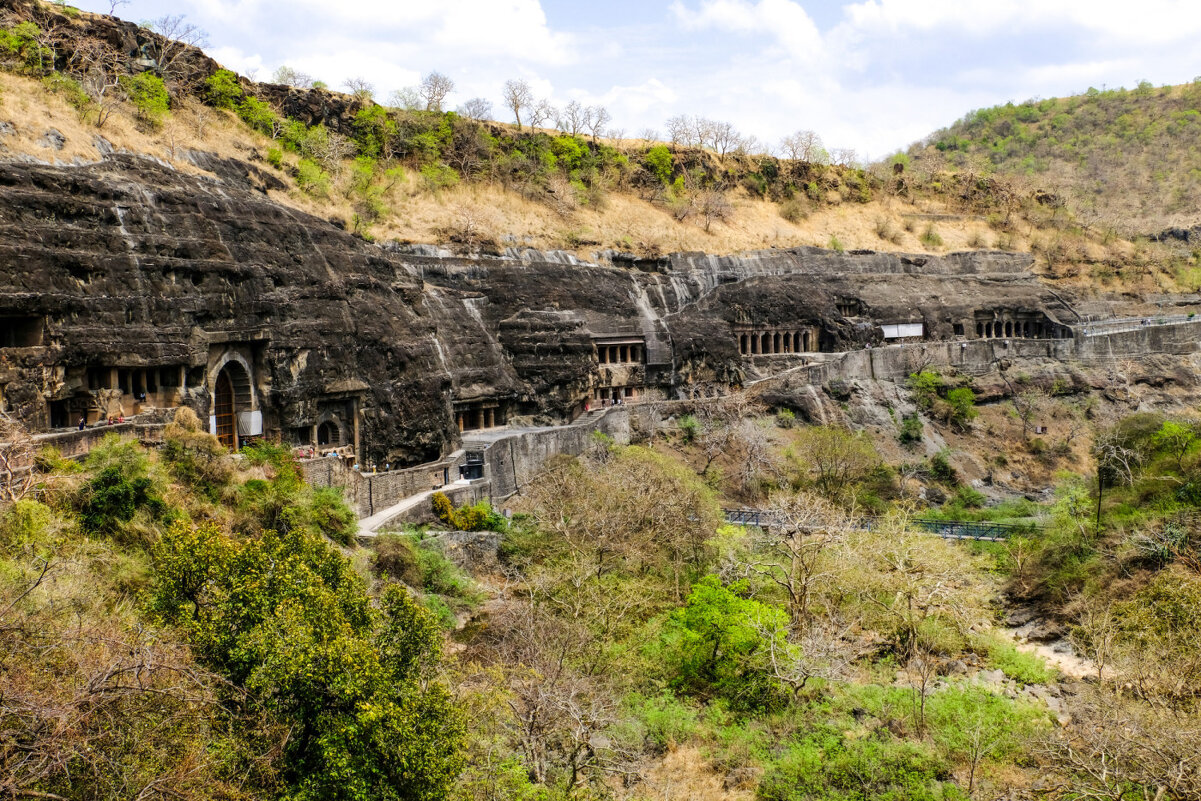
x=873 y=76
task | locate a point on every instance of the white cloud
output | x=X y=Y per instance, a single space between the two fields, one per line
x=1142 y=23
x=783 y=20
x=869 y=74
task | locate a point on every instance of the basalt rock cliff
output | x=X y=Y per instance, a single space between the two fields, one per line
x=129 y=285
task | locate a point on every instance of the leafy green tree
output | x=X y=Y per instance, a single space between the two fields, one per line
x=963 y=406
x=1176 y=439
x=149 y=96
x=716 y=643
x=285 y=618
x=659 y=161
x=375 y=132
x=222 y=89
x=112 y=498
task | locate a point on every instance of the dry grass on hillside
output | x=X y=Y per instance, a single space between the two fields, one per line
x=486 y=214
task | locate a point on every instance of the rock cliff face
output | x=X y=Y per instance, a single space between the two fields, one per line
x=127 y=285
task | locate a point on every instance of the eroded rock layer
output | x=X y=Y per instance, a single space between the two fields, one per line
x=130 y=286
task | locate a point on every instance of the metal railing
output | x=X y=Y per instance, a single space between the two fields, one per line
x=947 y=529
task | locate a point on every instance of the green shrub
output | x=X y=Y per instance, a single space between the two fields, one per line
x=439 y=176
x=835 y=244
x=312 y=179
x=275 y=157
x=23 y=523
x=689 y=427
x=911 y=429
x=962 y=402
x=659 y=162
x=785 y=418
x=69 y=89
x=259 y=115
x=1022 y=667
x=396 y=557
x=441 y=576
x=669 y=721
x=441 y=611
x=222 y=89
x=930 y=237
x=332 y=516
x=925 y=386
x=941 y=469
x=149 y=96
x=477 y=517
x=830 y=768
x=19 y=44
x=709 y=647
x=289 y=623
x=113 y=498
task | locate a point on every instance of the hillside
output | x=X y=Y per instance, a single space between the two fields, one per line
x=419 y=176
x=1123 y=160
x=358 y=453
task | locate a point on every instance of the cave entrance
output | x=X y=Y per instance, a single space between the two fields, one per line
x=230 y=396
x=328 y=433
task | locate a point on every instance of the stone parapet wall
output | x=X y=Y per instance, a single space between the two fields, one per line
x=77 y=444
x=368 y=493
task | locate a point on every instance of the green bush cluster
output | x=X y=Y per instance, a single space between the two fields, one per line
x=285 y=617
x=148 y=94
x=476 y=517
x=953 y=404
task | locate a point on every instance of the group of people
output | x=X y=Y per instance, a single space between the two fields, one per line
x=605 y=403
x=112 y=421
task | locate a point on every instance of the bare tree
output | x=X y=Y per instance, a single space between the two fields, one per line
x=518 y=96
x=433 y=90
x=1028 y=405
x=722 y=137
x=17 y=452
x=286 y=76
x=542 y=111
x=477 y=108
x=595 y=120
x=649 y=135
x=794 y=551
x=361 y=88
x=844 y=156
x=803 y=145
x=100 y=67
x=1117 y=744
x=679 y=130
x=821 y=652
x=573 y=119
x=179 y=36
x=410 y=100
x=713 y=205
x=113 y=5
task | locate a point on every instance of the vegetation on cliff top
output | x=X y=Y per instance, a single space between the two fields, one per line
x=1124 y=160
x=415 y=172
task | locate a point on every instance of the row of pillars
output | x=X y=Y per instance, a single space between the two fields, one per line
x=1020 y=329
x=619 y=354
x=613 y=394
x=475 y=419
x=772 y=342
x=138 y=381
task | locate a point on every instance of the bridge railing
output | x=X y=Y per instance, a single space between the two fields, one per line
x=948 y=529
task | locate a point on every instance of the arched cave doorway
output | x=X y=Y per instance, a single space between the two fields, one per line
x=231 y=394
x=329 y=433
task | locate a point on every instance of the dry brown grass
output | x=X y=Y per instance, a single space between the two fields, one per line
x=685 y=775
x=486 y=214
